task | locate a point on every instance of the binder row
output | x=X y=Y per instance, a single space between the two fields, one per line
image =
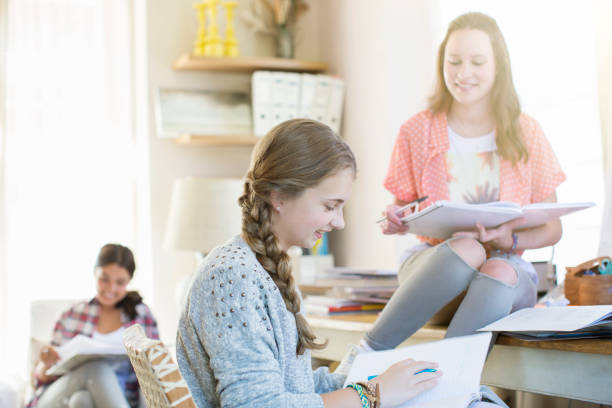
x=280 y=96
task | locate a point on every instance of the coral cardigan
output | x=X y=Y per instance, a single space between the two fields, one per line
x=418 y=166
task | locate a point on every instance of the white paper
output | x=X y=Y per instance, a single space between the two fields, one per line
x=443 y=218
x=461 y=360
x=81 y=349
x=562 y=319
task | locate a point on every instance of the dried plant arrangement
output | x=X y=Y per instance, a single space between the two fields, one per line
x=276 y=18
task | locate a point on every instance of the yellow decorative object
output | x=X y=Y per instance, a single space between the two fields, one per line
x=200 y=42
x=231 y=44
x=214 y=44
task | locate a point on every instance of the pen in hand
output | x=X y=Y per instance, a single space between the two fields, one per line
x=407 y=206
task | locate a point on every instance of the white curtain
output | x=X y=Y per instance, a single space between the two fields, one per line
x=69 y=154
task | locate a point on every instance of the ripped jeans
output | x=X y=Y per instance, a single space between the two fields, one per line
x=432 y=278
x=92 y=385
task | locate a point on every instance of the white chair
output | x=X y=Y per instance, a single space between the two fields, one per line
x=43 y=315
x=159 y=377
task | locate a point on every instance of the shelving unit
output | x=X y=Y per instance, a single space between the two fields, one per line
x=217 y=140
x=246 y=65
x=240 y=65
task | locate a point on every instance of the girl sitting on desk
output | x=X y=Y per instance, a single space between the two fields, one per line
x=472 y=145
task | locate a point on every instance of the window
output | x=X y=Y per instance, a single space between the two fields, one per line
x=70 y=155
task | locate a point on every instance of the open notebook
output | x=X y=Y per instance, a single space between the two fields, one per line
x=443 y=218
x=461 y=360
x=556 y=323
x=81 y=349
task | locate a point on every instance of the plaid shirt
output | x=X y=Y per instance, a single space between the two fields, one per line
x=82 y=318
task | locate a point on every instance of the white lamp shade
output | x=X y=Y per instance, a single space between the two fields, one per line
x=204 y=213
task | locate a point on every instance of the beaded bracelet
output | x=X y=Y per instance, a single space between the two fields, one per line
x=365 y=402
x=514 y=242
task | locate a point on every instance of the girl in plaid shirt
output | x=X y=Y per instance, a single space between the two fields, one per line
x=98 y=384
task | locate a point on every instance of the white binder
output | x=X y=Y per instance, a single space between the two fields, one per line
x=322 y=94
x=307 y=96
x=278 y=98
x=291 y=96
x=336 y=104
x=261 y=88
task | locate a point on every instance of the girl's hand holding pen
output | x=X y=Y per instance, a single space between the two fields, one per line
x=393 y=224
x=399 y=383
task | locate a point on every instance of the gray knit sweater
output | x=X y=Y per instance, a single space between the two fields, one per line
x=236 y=339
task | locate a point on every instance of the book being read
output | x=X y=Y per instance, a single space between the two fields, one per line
x=460 y=359
x=443 y=218
x=81 y=349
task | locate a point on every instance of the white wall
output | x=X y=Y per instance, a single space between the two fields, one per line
x=375 y=50
x=384 y=51
x=170 y=31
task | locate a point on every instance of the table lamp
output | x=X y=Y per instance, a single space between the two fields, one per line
x=204 y=213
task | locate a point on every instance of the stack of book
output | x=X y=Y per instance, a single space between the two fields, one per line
x=349 y=290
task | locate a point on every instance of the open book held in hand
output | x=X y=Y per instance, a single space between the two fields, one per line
x=81 y=349
x=556 y=323
x=461 y=360
x=443 y=218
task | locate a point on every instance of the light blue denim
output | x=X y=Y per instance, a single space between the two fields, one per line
x=432 y=278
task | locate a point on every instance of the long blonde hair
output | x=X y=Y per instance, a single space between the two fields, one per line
x=506 y=106
x=292 y=157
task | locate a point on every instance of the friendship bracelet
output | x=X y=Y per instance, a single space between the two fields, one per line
x=373 y=393
x=365 y=402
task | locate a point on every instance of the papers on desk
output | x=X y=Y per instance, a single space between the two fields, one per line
x=551 y=323
x=350 y=290
x=461 y=360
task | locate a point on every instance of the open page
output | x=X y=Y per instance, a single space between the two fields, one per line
x=81 y=349
x=443 y=218
x=461 y=360
x=563 y=319
x=540 y=213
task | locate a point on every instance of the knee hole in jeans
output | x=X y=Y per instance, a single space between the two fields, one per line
x=81 y=399
x=500 y=270
x=470 y=250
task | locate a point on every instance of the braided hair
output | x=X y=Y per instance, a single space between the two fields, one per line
x=294 y=156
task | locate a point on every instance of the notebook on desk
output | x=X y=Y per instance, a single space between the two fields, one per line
x=461 y=360
x=556 y=323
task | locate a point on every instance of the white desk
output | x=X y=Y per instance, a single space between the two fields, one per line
x=574 y=369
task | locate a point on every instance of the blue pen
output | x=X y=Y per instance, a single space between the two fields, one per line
x=427 y=370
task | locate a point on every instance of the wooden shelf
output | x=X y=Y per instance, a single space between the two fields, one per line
x=217 y=140
x=246 y=65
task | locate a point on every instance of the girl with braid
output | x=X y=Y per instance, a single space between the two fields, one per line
x=242 y=340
